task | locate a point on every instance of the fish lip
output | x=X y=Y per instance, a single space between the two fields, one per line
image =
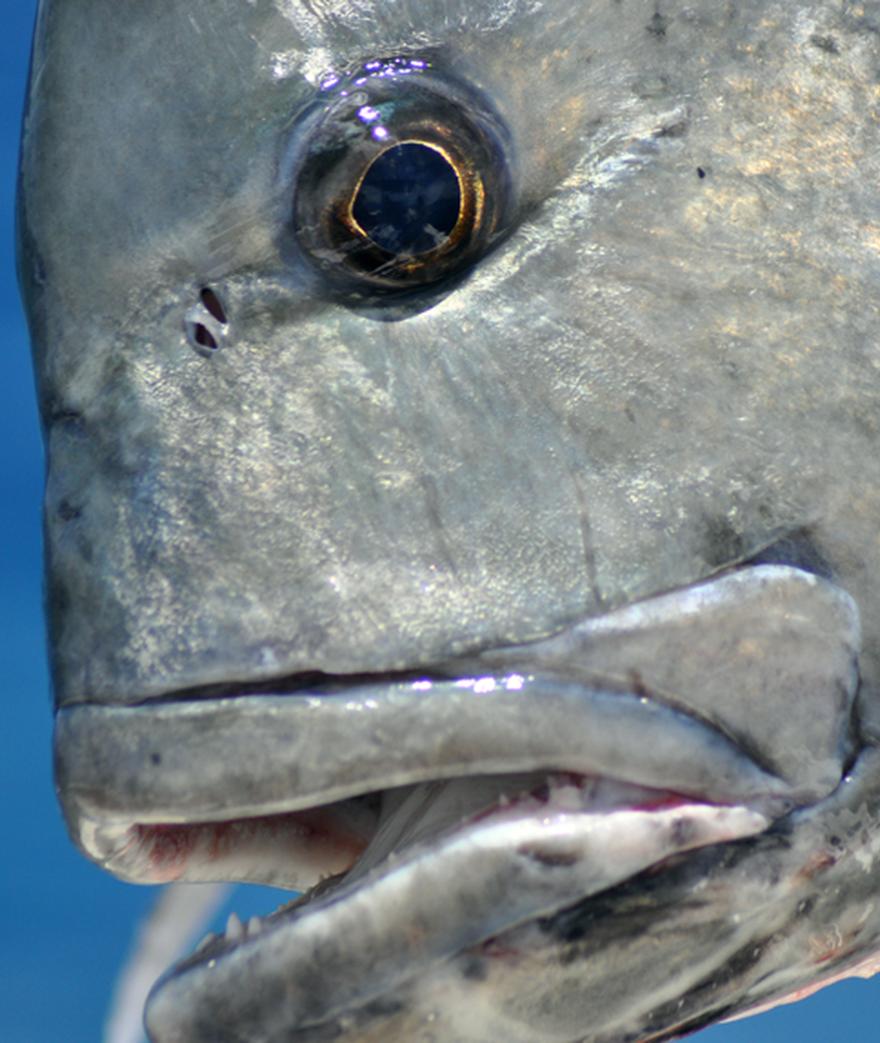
x=106 y=815
x=180 y=726
x=153 y=841
x=177 y=759
x=101 y=809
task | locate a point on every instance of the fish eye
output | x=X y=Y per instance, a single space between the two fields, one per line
x=400 y=175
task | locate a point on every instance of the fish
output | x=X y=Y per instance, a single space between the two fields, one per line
x=462 y=424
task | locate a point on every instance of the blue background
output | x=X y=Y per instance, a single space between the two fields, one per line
x=65 y=926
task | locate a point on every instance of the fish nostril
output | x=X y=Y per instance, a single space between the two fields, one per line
x=213 y=305
x=201 y=337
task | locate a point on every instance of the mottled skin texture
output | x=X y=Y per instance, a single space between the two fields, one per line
x=692 y=375
x=666 y=365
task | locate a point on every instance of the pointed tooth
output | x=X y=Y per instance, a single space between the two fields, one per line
x=234 y=928
x=254 y=926
x=206 y=941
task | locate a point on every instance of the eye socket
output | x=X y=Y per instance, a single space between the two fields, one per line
x=401 y=177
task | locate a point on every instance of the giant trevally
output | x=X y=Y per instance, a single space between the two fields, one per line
x=463 y=427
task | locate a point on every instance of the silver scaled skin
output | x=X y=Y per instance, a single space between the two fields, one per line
x=525 y=617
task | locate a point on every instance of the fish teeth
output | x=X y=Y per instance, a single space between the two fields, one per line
x=254 y=926
x=206 y=941
x=234 y=928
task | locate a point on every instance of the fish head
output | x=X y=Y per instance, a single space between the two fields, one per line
x=484 y=574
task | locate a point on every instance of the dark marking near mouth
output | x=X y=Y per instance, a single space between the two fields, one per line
x=551 y=859
x=806 y=906
x=682 y=832
x=721 y=541
x=311 y=681
x=474 y=969
x=799 y=550
x=686 y=1028
x=738 y=966
x=621 y=913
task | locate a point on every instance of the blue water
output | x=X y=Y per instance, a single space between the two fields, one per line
x=65 y=925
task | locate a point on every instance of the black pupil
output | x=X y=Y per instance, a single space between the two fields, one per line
x=409 y=200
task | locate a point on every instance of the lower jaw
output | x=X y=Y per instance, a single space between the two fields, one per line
x=437 y=880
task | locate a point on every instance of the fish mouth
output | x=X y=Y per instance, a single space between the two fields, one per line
x=427 y=812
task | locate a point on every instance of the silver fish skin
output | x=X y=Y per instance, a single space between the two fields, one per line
x=527 y=617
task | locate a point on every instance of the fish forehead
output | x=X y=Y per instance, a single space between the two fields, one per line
x=656 y=374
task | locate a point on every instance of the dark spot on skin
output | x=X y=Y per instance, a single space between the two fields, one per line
x=701 y=996
x=69 y=419
x=499 y=949
x=474 y=969
x=638 y=686
x=211 y=303
x=805 y=907
x=682 y=832
x=825 y=43
x=817 y=864
x=155 y=758
x=678 y=129
x=67 y=512
x=701 y=173
x=835 y=841
x=385 y=1007
x=722 y=544
x=658 y=25
x=551 y=859
x=38 y=271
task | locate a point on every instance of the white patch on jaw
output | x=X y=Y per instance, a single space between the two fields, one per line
x=312 y=67
x=268 y=659
x=284 y=64
x=312 y=59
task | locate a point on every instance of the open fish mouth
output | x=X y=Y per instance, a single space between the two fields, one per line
x=429 y=812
